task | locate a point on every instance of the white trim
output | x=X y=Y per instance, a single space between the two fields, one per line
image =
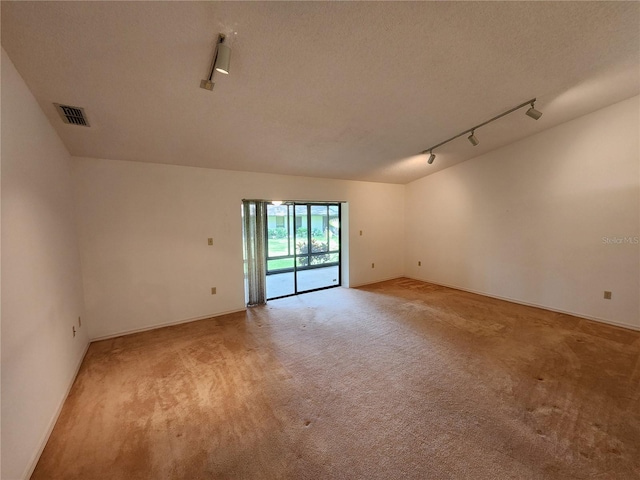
x=31 y=466
x=378 y=281
x=528 y=304
x=166 y=324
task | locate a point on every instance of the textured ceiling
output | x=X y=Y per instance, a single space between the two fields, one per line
x=328 y=89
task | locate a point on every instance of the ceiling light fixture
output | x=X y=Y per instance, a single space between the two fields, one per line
x=220 y=62
x=532 y=112
x=223 y=58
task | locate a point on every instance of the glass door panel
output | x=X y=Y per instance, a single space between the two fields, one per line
x=302 y=235
x=316 y=278
x=303 y=252
x=333 y=230
x=280 y=254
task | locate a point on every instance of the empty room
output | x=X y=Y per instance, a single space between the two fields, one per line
x=320 y=240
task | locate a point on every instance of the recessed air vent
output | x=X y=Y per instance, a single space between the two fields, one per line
x=72 y=115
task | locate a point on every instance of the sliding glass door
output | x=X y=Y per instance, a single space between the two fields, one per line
x=303 y=248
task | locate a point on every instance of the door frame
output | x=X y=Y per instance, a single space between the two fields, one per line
x=291 y=225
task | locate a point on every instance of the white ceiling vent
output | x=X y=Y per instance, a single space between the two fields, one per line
x=72 y=115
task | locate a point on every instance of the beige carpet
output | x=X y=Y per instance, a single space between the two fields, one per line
x=397 y=380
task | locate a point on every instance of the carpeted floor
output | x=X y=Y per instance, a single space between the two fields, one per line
x=396 y=380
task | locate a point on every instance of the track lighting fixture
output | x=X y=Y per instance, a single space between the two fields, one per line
x=220 y=62
x=223 y=58
x=532 y=112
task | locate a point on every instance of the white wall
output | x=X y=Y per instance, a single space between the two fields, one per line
x=41 y=286
x=143 y=232
x=526 y=222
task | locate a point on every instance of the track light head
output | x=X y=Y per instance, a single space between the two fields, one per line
x=220 y=62
x=432 y=157
x=472 y=138
x=223 y=58
x=533 y=113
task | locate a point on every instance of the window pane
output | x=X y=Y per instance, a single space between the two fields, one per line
x=319 y=245
x=334 y=228
x=292 y=221
x=319 y=222
x=279 y=264
x=318 y=209
x=280 y=284
x=277 y=244
x=278 y=247
x=317 y=278
x=301 y=223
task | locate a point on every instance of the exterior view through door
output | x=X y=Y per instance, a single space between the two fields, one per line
x=303 y=248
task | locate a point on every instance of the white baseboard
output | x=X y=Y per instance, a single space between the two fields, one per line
x=520 y=302
x=378 y=281
x=31 y=466
x=165 y=324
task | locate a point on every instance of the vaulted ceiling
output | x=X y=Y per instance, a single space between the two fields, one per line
x=347 y=90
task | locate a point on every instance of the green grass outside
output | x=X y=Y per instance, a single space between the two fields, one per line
x=280 y=263
x=278 y=247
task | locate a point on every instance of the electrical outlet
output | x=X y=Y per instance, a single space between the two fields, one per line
x=210 y=241
x=419 y=263
x=213 y=290
x=74 y=331
x=79 y=322
x=607 y=295
x=373 y=265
